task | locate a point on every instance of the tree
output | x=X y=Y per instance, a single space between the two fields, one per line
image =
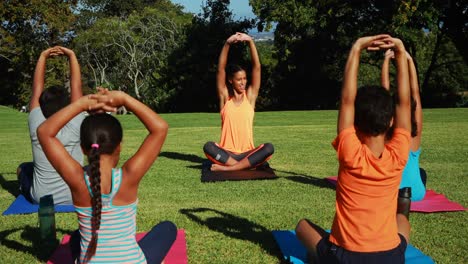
x=312 y=39
x=191 y=68
x=128 y=54
x=26 y=28
x=116 y=8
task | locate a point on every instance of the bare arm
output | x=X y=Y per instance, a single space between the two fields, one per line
x=149 y=150
x=75 y=74
x=414 y=87
x=385 y=74
x=157 y=127
x=39 y=75
x=349 y=90
x=256 y=74
x=403 y=107
x=221 y=87
x=54 y=150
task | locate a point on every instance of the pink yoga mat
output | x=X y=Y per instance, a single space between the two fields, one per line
x=435 y=202
x=432 y=202
x=176 y=255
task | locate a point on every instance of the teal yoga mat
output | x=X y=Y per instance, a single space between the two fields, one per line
x=294 y=252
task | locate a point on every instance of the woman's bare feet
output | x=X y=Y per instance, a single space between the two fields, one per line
x=235 y=166
x=217 y=167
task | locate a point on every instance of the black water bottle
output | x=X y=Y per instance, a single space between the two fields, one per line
x=46 y=214
x=404 y=201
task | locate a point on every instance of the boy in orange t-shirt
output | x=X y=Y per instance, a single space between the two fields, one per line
x=367 y=227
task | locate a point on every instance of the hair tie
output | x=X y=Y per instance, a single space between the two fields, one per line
x=96 y=146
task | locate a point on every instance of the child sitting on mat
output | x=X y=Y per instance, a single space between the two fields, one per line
x=39 y=178
x=236 y=150
x=413 y=176
x=105 y=197
x=367 y=226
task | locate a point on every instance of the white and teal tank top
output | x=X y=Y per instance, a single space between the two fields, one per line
x=116 y=236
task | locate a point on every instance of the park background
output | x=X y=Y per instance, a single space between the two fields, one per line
x=166 y=57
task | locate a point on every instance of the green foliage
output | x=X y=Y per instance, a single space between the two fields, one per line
x=445 y=85
x=166 y=57
x=312 y=40
x=115 y=8
x=128 y=54
x=27 y=28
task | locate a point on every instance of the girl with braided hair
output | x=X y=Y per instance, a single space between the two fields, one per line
x=105 y=197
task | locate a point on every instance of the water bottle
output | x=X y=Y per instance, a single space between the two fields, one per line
x=404 y=201
x=46 y=214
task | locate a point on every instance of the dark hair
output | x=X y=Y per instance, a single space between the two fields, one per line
x=374 y=110
x=105 y=131
x=52 y=100
x=231 y=69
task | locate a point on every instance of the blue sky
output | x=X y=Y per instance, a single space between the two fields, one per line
x=239 y=8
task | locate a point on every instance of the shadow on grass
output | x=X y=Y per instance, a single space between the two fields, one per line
x=37 y=247
x=186 y=157
x=11 y=186
x=182 y=156
x=306 y=179
x=235 y=227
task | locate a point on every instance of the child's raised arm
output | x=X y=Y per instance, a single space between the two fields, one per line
x=418 y=115
x=54 y=150
x=403 y=106
x=385 y=74
x=75 y=74
x=349 y=87
x=39 y=75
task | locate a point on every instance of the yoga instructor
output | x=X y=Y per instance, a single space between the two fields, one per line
x=237 y=97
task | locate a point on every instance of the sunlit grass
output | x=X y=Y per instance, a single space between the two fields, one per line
x=231 y=222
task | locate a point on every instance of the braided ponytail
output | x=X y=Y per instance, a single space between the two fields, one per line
x=96 y=200
x=100 y=134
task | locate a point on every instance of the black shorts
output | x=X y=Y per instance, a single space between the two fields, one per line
x=330 y=253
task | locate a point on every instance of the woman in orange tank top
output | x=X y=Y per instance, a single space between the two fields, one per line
x=236 y=149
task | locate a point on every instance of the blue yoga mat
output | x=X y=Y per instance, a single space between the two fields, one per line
x=294 y=252
x=22 y=206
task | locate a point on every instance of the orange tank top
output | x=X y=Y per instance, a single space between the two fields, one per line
x=236 y=127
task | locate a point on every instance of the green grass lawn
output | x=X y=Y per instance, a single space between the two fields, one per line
x=231 y=222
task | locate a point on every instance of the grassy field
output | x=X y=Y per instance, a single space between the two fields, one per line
x=231 y=222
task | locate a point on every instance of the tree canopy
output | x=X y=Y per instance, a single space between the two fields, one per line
x=167 y=58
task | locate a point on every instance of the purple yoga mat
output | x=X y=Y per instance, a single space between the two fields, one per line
x=433 y=202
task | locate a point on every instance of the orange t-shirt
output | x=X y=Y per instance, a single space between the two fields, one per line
x=367 y=192
x=236 y=127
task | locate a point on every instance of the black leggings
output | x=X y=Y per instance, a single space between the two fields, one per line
x=423 y=176
x=256 y=156
x=25 y=179
x=155 y=244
